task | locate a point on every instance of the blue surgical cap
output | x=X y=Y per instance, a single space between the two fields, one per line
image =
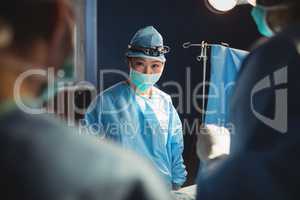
x=147 y=37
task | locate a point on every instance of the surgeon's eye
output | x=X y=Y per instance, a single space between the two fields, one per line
x=155 y=66
x=139 y=64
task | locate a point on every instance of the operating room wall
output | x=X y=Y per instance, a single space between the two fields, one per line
x=178 y=21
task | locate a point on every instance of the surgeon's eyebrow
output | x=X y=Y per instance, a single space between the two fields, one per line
x=147 y=60
x=156 y=62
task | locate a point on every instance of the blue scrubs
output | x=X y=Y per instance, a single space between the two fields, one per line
x=149 y=126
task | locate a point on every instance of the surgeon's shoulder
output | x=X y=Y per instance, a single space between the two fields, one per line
x=116 y=88
x=162 y=94
x=114 y=91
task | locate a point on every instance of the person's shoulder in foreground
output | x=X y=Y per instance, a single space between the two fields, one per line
x=51 y=161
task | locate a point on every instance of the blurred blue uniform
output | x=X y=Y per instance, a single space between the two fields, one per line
x=264 y=163
x=56 y=162
x=148 y=126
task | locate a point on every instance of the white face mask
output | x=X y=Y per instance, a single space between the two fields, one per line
x=142 y=81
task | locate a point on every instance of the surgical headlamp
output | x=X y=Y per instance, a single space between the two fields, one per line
x=154 y=51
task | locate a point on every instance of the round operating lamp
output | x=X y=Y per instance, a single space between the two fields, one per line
x=223 y=6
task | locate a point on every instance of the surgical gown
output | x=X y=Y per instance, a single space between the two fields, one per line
x=149 y=126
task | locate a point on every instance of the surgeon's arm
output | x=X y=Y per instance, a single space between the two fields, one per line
x=92 y=119
x=178 y=168
x=91 y=116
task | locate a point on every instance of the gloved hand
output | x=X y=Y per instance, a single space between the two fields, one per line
x=213 y=141
x=176 y=187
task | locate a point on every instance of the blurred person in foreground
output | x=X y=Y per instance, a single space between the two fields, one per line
x=40 y=157
x=263 y=163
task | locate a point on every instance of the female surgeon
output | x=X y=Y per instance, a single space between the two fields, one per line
x=139 y=116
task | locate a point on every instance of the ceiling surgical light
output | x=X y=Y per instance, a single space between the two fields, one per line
x=222 y=6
